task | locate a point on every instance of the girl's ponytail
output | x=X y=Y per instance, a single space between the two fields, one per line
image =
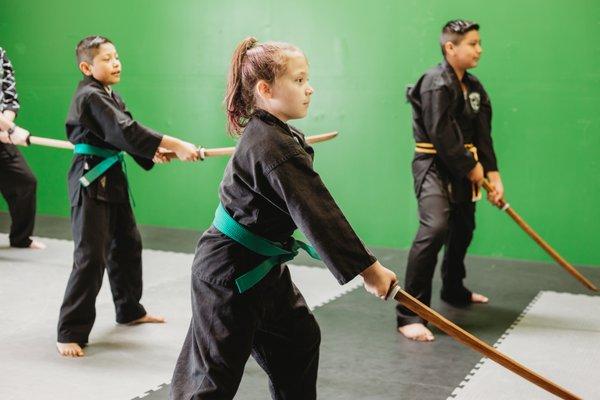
x=236 y=102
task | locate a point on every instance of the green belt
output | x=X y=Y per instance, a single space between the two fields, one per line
x=111 y=157
x=276 y=253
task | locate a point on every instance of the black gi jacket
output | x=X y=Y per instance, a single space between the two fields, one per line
x=443 y=117
x=9 y=99
x=270 y=187
x=102 y=120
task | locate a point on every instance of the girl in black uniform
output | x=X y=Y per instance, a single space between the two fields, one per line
x=243 y=300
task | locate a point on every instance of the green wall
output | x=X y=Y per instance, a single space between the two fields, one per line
x=540 y=66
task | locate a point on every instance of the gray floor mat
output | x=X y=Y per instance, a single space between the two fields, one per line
x=361 y=355
x=121 y=361
x=557 y=336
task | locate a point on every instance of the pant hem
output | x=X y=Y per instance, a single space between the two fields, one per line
x=21 y=245
x=405 y=320
x=80 y=340
x=130 y=318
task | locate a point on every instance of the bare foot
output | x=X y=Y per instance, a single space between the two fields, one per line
x=417 y=331
x=35 y=245
x=148 y=319
x=479 y=298
x=69 y=349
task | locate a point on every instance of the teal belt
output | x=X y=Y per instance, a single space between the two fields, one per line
x=276 y=253
x=111 y=157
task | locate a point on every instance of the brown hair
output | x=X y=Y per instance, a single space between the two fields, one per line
x=87 y=48
x=251 y=62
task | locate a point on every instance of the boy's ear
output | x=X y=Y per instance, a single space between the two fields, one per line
x=449 y=48
x=263 y=89
x=85 y=68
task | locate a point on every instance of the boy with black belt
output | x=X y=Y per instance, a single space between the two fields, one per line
x=452 y=127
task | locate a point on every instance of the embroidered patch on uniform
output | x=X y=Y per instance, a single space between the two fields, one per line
x=475 y=100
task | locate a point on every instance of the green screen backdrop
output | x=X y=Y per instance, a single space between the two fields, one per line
x=540 y=66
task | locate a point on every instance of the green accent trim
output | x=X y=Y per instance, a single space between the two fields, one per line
x=276 y=253
x=110 y=158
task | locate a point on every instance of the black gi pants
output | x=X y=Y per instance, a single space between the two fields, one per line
x=18 y=186
x=105 y=236
x=270 y=321
x=441 y=223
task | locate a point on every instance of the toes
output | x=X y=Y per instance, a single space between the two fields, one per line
x=70 y=351
x=419 y=335
x=479 y=298
x=65 y=353
x=148 y=320
x=153 y=320
x=423 y=338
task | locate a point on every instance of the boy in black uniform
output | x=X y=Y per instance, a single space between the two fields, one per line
x=17 y=183
x=452 y=127
x=104 y=228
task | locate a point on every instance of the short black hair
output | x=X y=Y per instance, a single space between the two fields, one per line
x=455 y=30
x=87 y=48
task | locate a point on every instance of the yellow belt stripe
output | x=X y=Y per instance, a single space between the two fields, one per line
x=427 y=148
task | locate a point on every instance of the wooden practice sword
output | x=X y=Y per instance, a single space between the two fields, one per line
x=476 y=344
x=219 y=151
x=504 y=206
x=58 y=144
x=227 y=151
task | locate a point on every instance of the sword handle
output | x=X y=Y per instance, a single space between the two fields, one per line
x=391 y=294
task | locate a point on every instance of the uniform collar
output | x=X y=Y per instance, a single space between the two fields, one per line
x=270 y=119
x=91 y=81
x=447 y=67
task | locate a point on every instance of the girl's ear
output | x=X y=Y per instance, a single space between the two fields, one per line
x=264 y=89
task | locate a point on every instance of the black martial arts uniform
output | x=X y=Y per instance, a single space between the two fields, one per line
x=447 y=119
x=17 y=183
x=270 y=187
x=104 y=228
